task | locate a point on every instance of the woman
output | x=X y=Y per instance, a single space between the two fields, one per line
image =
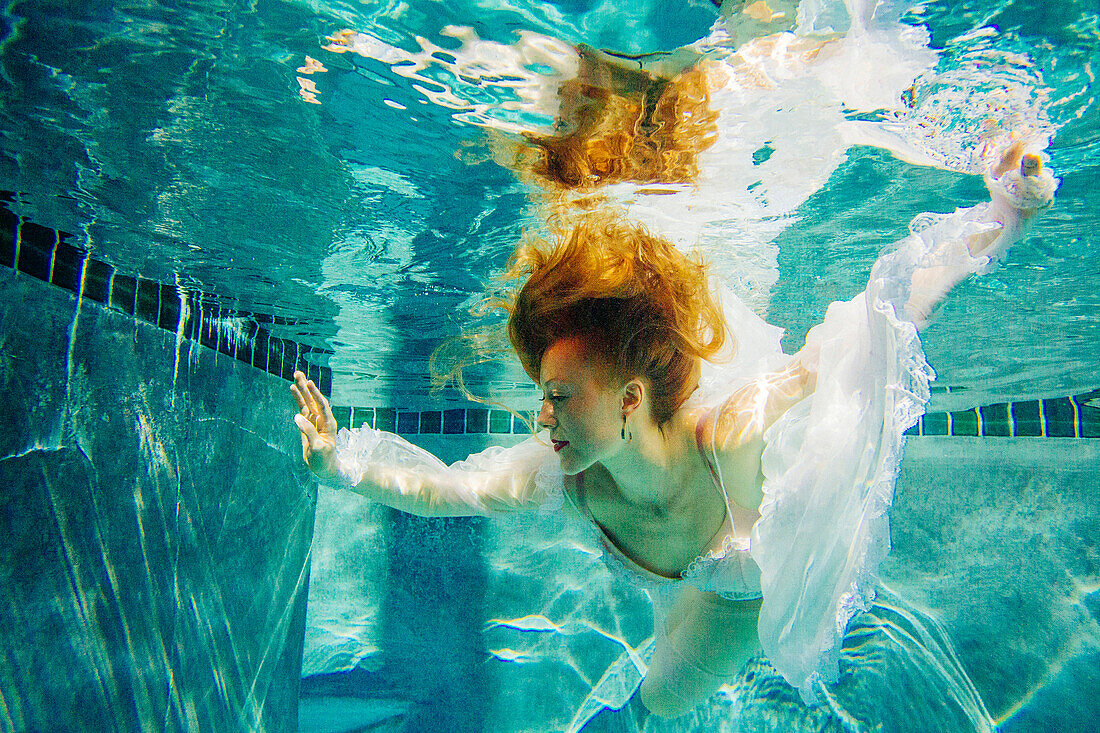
x=745 y=489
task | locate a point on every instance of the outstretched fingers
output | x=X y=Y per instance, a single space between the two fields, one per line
x=1010 y=159
x=318 y=398
x=312 y=405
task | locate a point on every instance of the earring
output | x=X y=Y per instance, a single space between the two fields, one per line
x=623 y=434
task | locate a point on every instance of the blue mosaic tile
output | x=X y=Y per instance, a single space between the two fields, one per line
x=68 y=261
x=964 y=423
x=261 y=350
x=477 y=420
x=454 y=421
x=313 y=373
x=225 y=343
x=301 y=360
x=1060 y=418
x=342 y=415
x=385 y=418
x=431 y=422
x=934 y=423
x=206 y=334
x=97 y=281
x=500 y=421
x=194 y=315
x=169 y=316
x=274 y=356
x=408 y=423
x=147 y=306
x=35 y=248
x=290 y=358
x=361 y=416
x=1088 y=415
x=324 y=380
x=995 y=420
x=520 y=426
x=1026 y=420
x=246 y=346
x=123 y=293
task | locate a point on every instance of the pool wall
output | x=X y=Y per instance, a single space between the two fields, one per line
x=156 y=526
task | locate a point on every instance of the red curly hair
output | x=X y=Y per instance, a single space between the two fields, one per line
x=639 y=303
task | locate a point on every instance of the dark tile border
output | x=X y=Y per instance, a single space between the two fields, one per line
x=1064 y=417
x=45 y=254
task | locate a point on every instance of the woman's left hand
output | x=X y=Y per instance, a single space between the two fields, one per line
x=318 y=428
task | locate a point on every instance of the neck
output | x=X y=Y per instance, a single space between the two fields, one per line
x=644 y=469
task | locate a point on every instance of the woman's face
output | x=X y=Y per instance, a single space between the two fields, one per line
x=580 y=407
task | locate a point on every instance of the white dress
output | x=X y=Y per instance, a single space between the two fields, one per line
x=829 y=463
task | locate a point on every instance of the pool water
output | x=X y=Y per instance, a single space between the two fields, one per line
x=201 y=197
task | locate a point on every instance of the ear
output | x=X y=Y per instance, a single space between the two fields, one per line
x=633 y=394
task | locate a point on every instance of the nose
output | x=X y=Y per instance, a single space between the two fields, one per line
x=546 y=418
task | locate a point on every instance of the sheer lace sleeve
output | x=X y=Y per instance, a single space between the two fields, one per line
x=391 y=470
x=972 y=241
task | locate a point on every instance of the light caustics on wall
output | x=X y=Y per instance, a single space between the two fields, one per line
x=43 y=253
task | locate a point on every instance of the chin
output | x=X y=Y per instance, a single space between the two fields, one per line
x=571 y=466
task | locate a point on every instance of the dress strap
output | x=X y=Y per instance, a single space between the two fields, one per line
x=714 y=474
x=699 y=426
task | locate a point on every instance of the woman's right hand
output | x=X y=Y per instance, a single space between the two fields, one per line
x=318 y=428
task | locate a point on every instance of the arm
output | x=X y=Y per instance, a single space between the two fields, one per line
x=1019 y=187
x=388 y=469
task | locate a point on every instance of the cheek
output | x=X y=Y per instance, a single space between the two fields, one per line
x=597 y=425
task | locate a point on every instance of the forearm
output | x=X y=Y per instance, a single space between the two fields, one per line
x=414 y=491
x=389 y=470
x=955 y=260
x=440 y=493
x=987 y=231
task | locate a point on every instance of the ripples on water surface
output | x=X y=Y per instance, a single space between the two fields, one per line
x=327 y=162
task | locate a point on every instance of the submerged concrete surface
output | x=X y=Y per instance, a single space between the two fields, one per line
x=1000 y=540
x=987 y=615
x=156 y=527
x=463 y=625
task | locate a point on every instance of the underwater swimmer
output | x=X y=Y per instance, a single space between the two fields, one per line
x=615 y=325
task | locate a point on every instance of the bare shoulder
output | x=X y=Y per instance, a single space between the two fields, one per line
x=731 y=446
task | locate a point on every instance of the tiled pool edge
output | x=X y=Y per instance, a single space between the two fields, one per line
x=1077 y=416
x=44 y=254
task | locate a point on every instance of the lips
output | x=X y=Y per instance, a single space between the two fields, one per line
x=559 y=444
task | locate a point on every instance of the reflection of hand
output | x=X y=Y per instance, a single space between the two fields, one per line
x=341 y=41
x=318 y=427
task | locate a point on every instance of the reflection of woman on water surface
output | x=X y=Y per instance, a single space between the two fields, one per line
x=745 y=489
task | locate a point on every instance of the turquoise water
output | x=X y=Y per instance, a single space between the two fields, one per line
x=133 y=127
x=358 y=210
